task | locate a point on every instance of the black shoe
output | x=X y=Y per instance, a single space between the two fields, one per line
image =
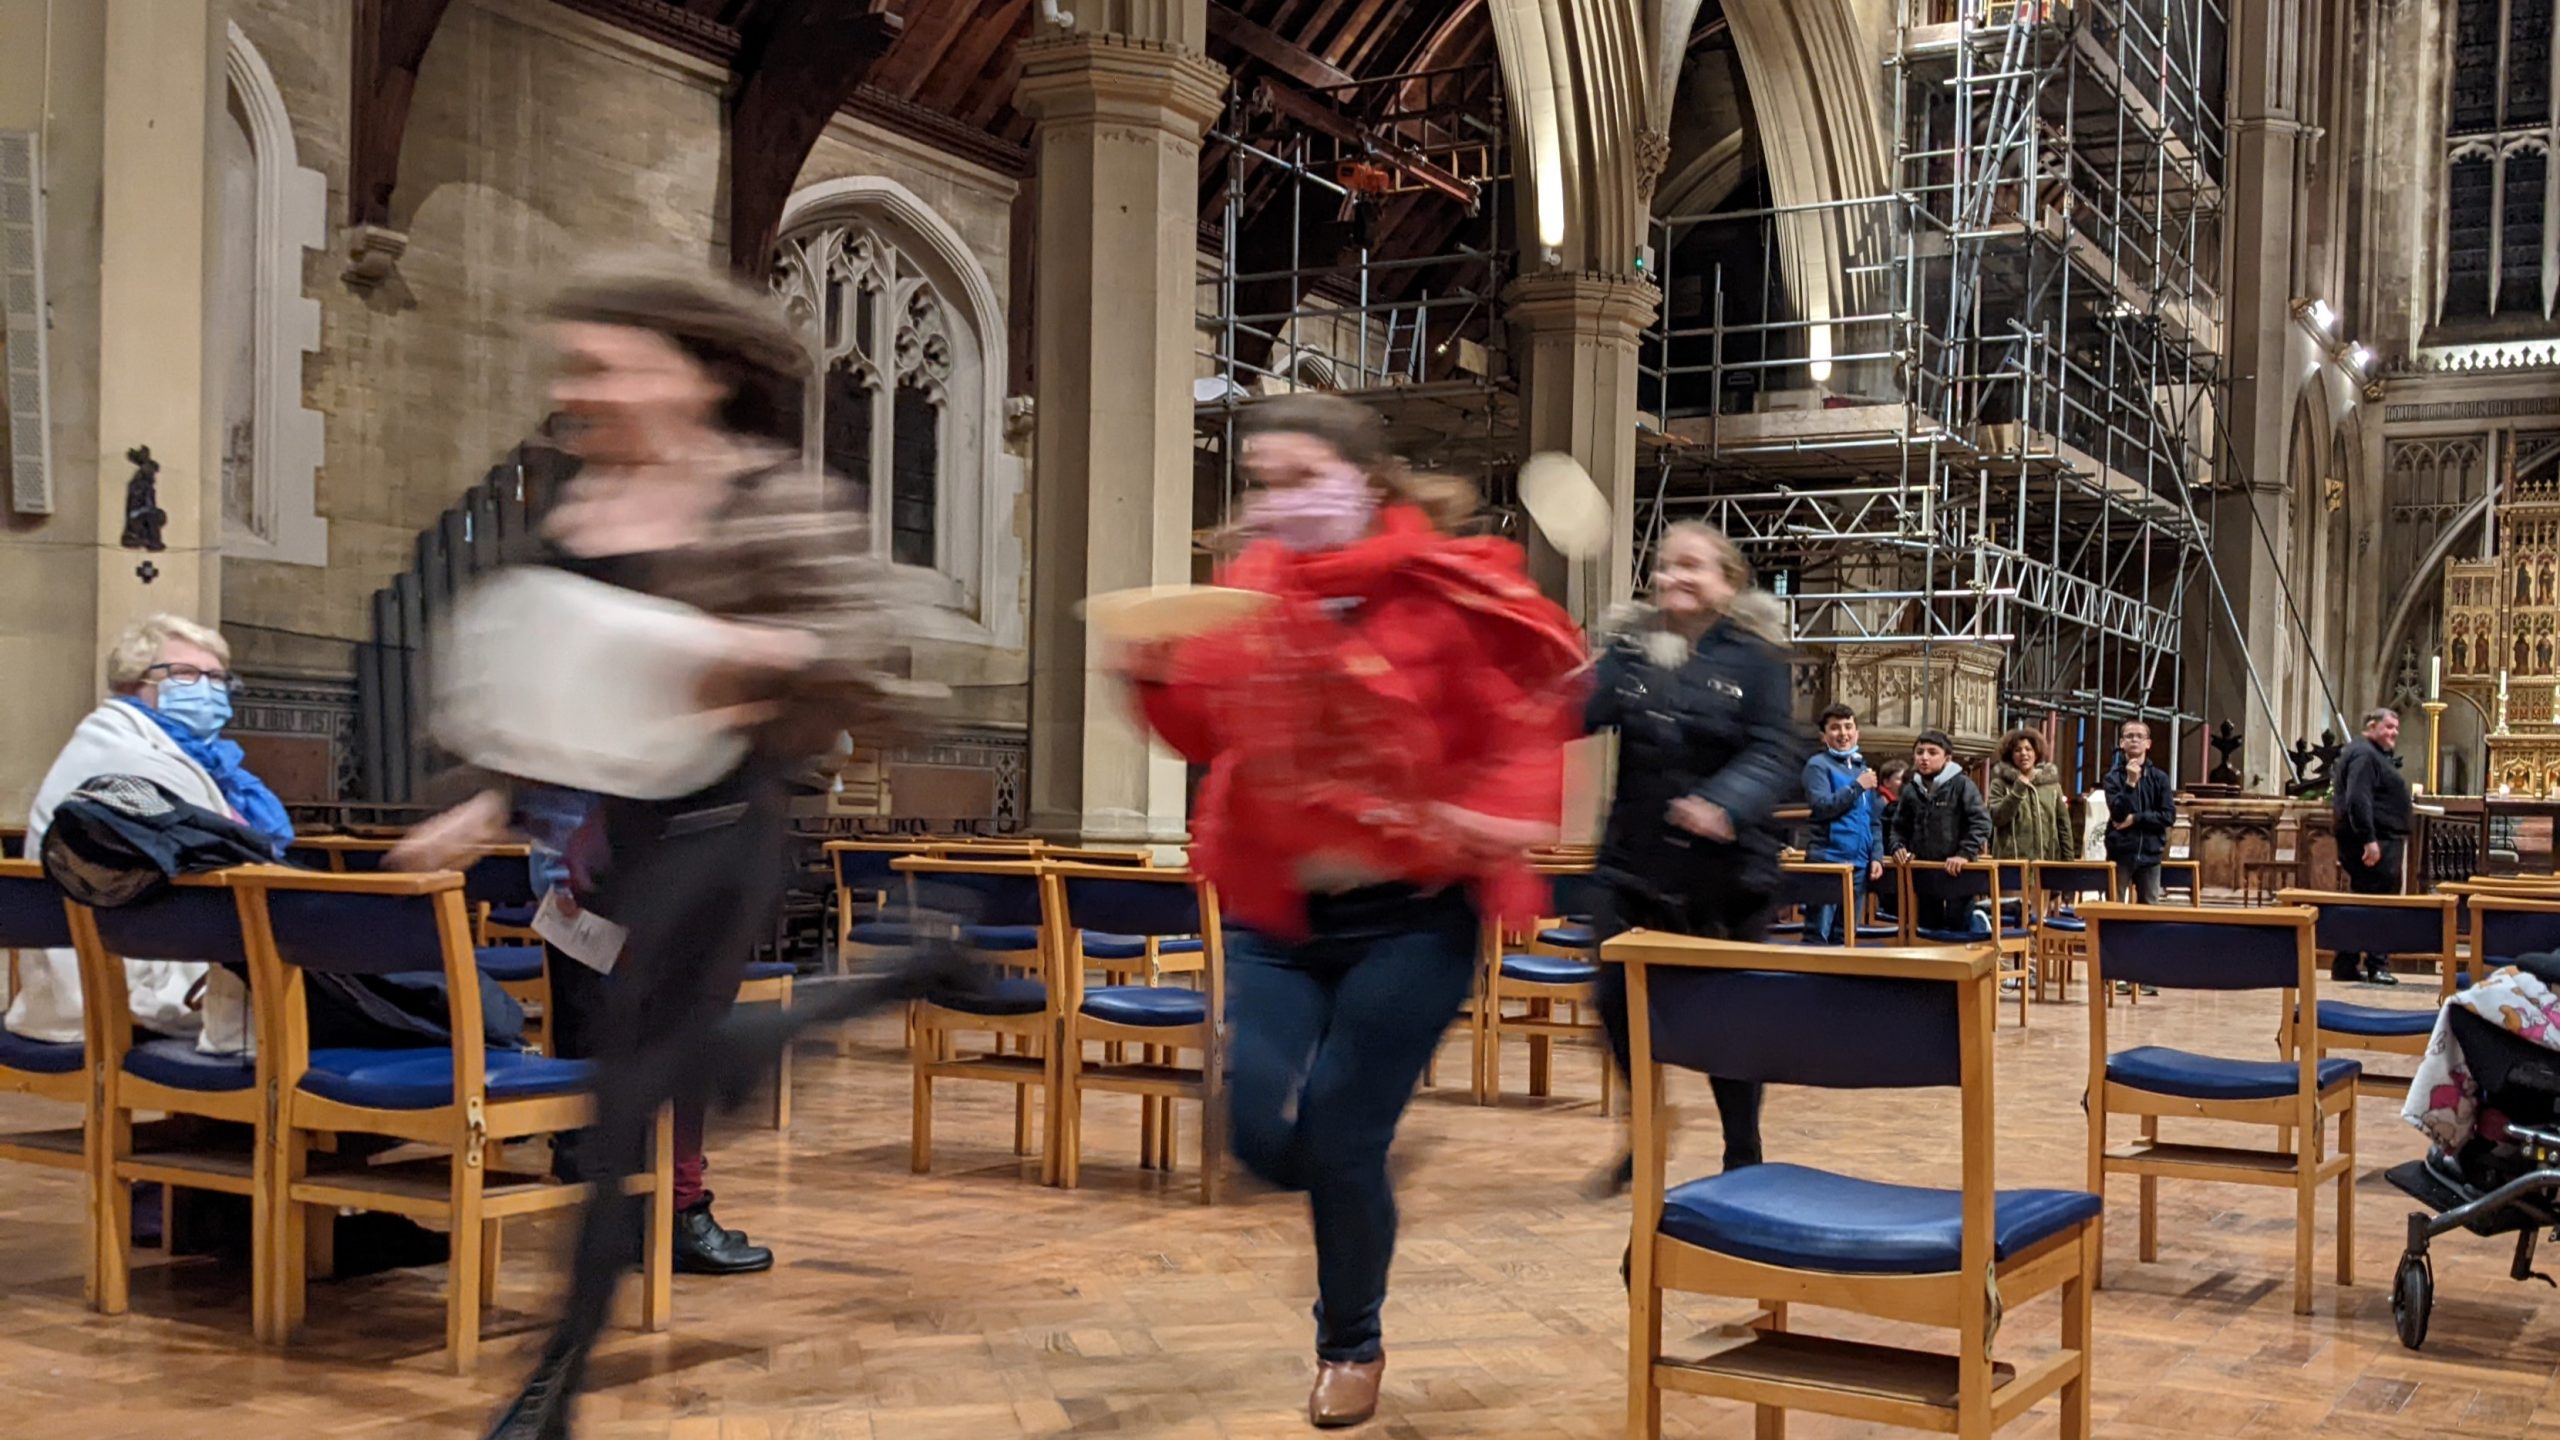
x=1611 y=1180
x=2383 y=975
x=2345 y=975
x=541 y=1409
x=703 y=1247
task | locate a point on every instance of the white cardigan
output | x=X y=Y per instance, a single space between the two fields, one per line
x=116 y=739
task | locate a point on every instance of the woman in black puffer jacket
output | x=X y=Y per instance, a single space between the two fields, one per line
x=1699 y=692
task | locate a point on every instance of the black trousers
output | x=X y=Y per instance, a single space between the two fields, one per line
x=2363 y=879
x=697 y=882
x=1625 y=907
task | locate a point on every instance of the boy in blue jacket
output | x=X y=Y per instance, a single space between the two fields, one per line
x=1848 y=817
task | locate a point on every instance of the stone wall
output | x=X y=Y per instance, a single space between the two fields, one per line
x=538 y=140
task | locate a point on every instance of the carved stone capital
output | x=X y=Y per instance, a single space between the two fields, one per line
x=1653 y=152
x=1021 y=418
x=1582 y=301
x=372 y=252
x=1107 y=79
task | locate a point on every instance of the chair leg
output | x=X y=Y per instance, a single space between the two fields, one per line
x=782 y=1088
x=288 y=1261
x=2078 y=1311
x=920 y=1124
x=1542 y=1052
x=1644 y=1347
x=658 y=1251
x=462 y=1266
x=1492 y=1055
x=492 y=1244
x=111 y=1212
x=2149 y=1248
x=2347 y=1194
x=1769 y=1422
x=2306 y=1210
x=1168 y=1137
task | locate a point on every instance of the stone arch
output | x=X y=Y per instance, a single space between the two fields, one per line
x=986 y=484
x=273 y=443
x=1581 y=76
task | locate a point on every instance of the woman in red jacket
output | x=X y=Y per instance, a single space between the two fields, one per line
x=1383 y=743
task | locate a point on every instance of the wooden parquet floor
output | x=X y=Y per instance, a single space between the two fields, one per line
x=974 y=1303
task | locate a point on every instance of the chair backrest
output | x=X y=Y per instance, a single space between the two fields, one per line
x=2190 y=949
x=13 y=842
x=2186 y=875
x=865 y=866
x=362 y=859
x=1098 y=855
x=2072 y=878
x=1573 y=892
x=1929 y=880
x=1807 y=886
x=2378 y=924
x=198 y=921
x=1874 y=1017
x=2506 y=926
x=502 y=877
x=975 y=892
x=1124 y=900
x=31 y=910
x=300 y=922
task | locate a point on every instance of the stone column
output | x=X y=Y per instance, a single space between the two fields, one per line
x=2271 y=358
x=1119 y=115
x=123 y=95
x=1578 y=336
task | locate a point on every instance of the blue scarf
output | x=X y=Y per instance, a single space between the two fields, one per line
x=245 y=793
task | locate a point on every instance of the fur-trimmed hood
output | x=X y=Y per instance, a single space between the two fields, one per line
x=1754 y=612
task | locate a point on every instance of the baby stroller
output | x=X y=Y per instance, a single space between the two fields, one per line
x=2505 y=1179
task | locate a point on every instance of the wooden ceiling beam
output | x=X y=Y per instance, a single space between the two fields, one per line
x=799 y=64
x=391 y=38
x=1232 y=26
x=930 y=34
x=960 y=86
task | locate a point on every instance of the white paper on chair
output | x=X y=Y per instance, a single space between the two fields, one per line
x=582 y=935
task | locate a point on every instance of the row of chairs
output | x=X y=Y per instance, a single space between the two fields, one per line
x=1050 y=926
x=446 y=1113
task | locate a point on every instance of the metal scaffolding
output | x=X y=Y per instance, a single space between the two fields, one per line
x=1983 y=408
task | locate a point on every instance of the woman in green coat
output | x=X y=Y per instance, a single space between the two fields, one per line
x=2030 y=814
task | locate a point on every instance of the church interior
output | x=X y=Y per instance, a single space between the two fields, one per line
x=2057 y=369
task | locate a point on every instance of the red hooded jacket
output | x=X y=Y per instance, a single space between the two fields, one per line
x=1394 y=676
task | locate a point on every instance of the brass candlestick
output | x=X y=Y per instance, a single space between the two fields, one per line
x=2435 y=743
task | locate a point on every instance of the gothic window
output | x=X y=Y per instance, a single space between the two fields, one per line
x=876 y=411
x=2499 y=226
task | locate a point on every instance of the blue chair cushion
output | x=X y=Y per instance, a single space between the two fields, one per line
x=1016 y=995
x=769 y=970
x=1804 y=1219
x=881 y=932
x=1101 y=946
x=2069 y=924
x=1002 y=939
x=1566 y=937
x=1788 y=927
x=1147 y=1005
x=2164 y=1071
x=511 y=964
x=1879 y=932
x=179 y=1065
x=38 y=1057
x=2346 y=1019
x=1549 y=969
x=1962 y=937
x=517 y=916
x=422 y=1079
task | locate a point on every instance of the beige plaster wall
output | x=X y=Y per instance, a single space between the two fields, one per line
x=537 y=140
x=48 y=564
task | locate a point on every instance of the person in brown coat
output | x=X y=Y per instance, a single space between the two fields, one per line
x=2030 y=814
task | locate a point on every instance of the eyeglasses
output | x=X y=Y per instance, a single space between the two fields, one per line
x=188 y=675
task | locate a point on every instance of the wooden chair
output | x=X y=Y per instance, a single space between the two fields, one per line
x=999 y=905
x=2493 y=887
x=2054 y=887
x=33 y=917
x=2186 y=876
x=1547 y=965
x=1783 y=1235
x=768 y=982
x=1925 y=887
x=1161 y=1020
x=463 y=1100
x=2262 y=949
x=199 y=918
x=1805 y=888
x=865 y=883
x=2390 y=925
x=2506 y=926
x=498 y=886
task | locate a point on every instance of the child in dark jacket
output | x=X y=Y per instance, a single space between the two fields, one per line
x=1940 y=816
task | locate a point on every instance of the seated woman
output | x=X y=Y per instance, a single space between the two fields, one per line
x=168 y=697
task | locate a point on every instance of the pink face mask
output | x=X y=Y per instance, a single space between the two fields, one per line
x=1332 y=509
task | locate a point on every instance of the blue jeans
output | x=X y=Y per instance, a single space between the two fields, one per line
x=1826 y=922
x=1326 y=1040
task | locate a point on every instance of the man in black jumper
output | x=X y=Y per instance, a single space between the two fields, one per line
x=2372 y=802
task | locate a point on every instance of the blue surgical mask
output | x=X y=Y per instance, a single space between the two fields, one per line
x=200 y=707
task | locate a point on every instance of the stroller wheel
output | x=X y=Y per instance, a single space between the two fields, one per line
x=2413 y=1295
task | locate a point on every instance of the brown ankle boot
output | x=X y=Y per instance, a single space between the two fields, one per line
x=1346 y=1392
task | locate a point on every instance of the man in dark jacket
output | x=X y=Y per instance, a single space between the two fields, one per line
x=2372 y=801
x=1940 y=817
x=1848 y=816
x=2141 y=806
